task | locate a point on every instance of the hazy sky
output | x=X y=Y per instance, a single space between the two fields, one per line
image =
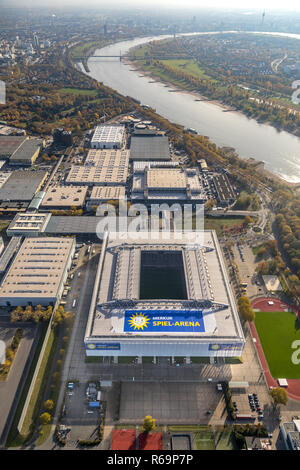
x=247 y=4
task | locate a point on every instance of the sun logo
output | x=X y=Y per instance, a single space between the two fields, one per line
x=139 y=321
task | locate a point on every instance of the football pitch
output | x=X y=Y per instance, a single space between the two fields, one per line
x=277 y=331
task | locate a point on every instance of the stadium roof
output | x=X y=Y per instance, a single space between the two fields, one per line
x=151 y=147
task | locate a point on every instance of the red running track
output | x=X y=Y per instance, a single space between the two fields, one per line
x=293 y=389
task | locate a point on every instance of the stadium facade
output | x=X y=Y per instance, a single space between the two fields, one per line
x=162 y=297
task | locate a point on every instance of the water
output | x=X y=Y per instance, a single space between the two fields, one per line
x=278 y=149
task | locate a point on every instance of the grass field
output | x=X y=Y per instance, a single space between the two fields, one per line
x=188 y=66
x=219 y=223
x=204 y=439
x=277 y=331
x=77 y=91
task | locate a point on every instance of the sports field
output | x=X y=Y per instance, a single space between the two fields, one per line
x=277 y=331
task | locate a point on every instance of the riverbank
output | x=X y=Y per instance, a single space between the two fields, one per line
x=174 y=87
x=185 y=88
x=279 y=150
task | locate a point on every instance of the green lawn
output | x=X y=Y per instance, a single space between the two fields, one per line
x=204 y=439
x=225 y=440
x=277 y=331
x=189 y=66
x=77 y=91
x=219 y=223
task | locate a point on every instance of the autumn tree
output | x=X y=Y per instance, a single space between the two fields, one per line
x=149 y=424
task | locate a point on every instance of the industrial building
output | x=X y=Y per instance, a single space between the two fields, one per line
x=108 y=137
x=107 y=158
x=91 y=175
x=101 y=194
x=22 y=185
x=29 y=224
x=9 y=145
x=4 y=175
x=27 y=153
x=162 y=297
x=38 y=272
x=20 y=150
x=64 y=197
x=167 y=184
x=150 y=147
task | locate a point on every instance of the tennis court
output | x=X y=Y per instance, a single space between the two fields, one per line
x=123 y=439
x=150 y=441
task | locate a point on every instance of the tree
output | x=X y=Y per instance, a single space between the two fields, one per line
x=48 y=405
x=279 y=395
x=45 y=418
x=149 y=424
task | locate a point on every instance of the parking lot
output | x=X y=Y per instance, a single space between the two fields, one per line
x=169 y=403
x=78 y=416
x=245 y=260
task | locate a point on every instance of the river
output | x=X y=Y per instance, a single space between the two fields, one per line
x=278 y=149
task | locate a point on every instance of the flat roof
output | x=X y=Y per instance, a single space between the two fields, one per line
x=26 y=150
x=152 y=147
x=91 y=175
x=73 y=225
x=104 y=193
x=22 y=185
x=37 y=269
x=107 y=158
x=165 y=178
x=4 y=175
x=62 y=196
x=9 y=144
x=208 y=292
x=108 y=134
x=29 y=222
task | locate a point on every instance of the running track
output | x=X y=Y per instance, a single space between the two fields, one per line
x=293 y=389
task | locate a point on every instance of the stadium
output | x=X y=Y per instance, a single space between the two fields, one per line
x=162 y=297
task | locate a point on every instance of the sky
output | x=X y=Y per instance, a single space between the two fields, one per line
x=246 y=4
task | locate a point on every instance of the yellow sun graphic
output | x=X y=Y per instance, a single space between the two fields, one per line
x=139 y=321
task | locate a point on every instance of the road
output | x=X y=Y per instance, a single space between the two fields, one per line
x=11 y=389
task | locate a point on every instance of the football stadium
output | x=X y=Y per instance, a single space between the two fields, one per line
x=162 y=297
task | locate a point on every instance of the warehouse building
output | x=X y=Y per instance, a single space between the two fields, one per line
x=107 y=158
x=64 y=197
x=151 y=147
x=4 y=175
x=20 y=150
x=9 y=145
x=186 y=310
x=28 y=225
x=102 y=194
x=22 y=185
x=108 y=137
x=27 y=153
x=167 y=184
x=92 y=176
x=38 y=272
